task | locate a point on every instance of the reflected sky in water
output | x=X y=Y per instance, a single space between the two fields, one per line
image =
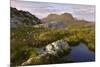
x=80 y=53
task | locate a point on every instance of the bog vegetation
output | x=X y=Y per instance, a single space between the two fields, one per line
x=24 y=40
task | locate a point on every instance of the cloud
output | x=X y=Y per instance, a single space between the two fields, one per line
x=42 y=9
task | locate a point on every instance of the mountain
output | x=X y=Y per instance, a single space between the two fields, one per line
x=65 y=17
x=58 y=21
x=23 y=18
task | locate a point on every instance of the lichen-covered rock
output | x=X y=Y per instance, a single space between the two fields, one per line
x=57 y=47
x=52 y=52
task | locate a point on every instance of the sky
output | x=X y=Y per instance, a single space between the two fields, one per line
x=43 y=9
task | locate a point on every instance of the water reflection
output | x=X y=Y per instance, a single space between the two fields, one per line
x=80 y=53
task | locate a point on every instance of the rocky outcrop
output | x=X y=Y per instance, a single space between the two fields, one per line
x=23 y=18
x=51 y=53
x=57 y=47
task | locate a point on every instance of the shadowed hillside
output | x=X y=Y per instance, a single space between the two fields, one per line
x=23 y=18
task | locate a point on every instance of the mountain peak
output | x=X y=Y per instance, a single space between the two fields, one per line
x=55 y=17
x=67 y=15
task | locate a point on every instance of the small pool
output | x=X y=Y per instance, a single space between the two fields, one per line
x=80 y=53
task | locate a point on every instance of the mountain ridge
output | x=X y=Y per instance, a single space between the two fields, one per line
x=64 y=17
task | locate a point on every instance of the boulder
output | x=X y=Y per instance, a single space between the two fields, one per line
x=59 y=46
x=51 y=53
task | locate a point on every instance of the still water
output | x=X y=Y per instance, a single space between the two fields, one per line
x=80 y=53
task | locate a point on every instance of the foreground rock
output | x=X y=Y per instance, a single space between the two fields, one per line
x=52 y=52
x=57 y=47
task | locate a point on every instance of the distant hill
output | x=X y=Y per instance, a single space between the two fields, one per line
x=23 y=18
x=58 y=21
x=63 y=20
x=65 y=17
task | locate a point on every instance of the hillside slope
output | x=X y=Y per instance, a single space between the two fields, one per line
x=23 y=18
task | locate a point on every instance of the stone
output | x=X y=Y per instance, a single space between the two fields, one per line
x=52 y=52
x=57 y=47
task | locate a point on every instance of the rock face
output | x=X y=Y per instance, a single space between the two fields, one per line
x=52 y=52
x=23 y=18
